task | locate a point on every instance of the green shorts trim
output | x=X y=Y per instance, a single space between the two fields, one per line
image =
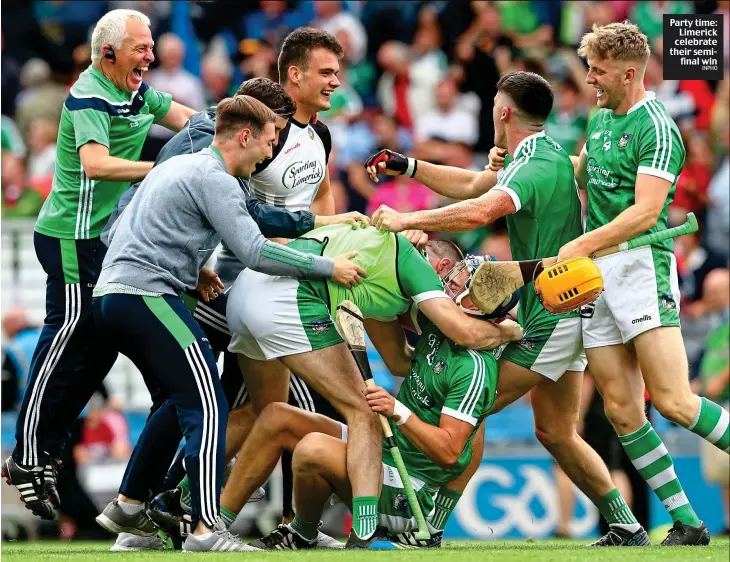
x=668 y=310
x=315 y=316
x=394 y=511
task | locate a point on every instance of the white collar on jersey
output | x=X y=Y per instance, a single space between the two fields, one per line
x=526 y=140
x=649 y=96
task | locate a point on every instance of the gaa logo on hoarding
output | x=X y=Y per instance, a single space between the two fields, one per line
x=519 y=501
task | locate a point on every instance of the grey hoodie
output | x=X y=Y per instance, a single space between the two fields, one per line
x=188 y=204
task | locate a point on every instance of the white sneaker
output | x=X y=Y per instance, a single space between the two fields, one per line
x=217 y=541
x=127 y=542
x=325 y=541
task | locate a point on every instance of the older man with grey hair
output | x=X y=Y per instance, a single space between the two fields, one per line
x=104 y=122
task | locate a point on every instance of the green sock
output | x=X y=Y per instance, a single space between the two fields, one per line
x=184 y=486
x=307 y=529
x=445 y=503
x=651 y=458
x=614 y=509
x=364 y=515
x=712 y=423
x=227 y=516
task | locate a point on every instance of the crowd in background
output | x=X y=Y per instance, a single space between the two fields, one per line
x=418 y=78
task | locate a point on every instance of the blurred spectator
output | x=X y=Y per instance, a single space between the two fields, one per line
x=714 y=381
x=696 y=264
x=568 y=121
x=260 y=60
x=528 y=24
x=411 y=73
x=17 y=201
x=41 y=96
x=21 y=339
x=691 y=192
x=216 y=72
x=81 y=60
x=717 y=219
x=361 y=142
x=483 y=54
x=42 y=159
x=272 y=22
x=649 y=15
x=402 y=194
x=360 y=75
x=333 y=19
x=171 y=77
x=720 y=117
x=104 y=436
x=10 y=76
x=447 y=134
x=680 y=105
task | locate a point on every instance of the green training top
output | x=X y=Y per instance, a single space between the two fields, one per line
x=397 y=275
x=95 y=111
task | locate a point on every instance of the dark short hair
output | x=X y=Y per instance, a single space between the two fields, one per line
x=445 y=249
x=530 y=92
x=270 y=93
x=237 y=112
x=299 y=44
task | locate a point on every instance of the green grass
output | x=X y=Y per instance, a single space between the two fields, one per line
x=452 y=551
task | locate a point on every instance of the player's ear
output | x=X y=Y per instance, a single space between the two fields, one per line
x=293 y=73
x=243 y=136
x=629 y=75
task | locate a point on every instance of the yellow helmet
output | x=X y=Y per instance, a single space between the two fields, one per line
x=568 y=285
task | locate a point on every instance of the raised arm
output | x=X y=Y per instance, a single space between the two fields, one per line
x=455 y=183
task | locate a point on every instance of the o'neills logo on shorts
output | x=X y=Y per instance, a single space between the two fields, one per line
x=644 y=318
x=300 y=173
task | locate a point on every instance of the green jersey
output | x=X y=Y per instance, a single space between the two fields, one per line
x=95 y=111
x=444 y=379
x=619 y=147
x=11 y=140
x=397 y=275
x=540 y=181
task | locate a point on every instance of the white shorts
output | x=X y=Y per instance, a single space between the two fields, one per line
x=641 y=293
x=271 y=317
x=551 y=349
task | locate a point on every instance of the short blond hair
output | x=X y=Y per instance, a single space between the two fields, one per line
x=237 y=112
x=618 y=41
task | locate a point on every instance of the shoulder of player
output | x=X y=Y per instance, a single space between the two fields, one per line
x=654 y=119
x=320 y=127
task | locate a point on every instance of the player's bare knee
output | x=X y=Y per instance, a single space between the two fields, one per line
x=309 y=453
x=680 y=409
x=554 y=437
x=276 y=418
x=625 y=416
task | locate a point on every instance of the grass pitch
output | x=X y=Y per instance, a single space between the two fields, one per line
x=452 y=551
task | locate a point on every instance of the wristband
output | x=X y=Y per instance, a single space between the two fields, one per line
x=402 y=411
x=412 y=167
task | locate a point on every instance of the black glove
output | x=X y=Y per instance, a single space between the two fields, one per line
x=394 y=161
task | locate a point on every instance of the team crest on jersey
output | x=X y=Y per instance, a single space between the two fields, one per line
x=439 y=366
x=320 y=326
x=310 y=132
x=624 y=140
x=400 y=503
x=668 y=302
x=596 y=135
